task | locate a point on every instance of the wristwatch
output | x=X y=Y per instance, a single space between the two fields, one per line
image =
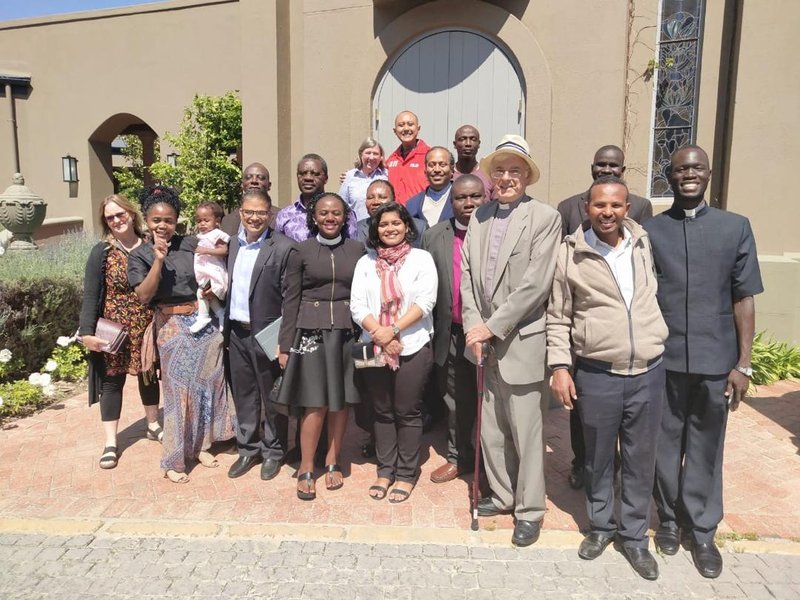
x=395 y=329
x=746 y=371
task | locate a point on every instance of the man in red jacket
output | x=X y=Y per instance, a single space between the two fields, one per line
x=407 y=164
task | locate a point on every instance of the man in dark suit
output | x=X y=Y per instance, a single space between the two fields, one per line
x=707 y=271
x=433 y=203
x=254 y=177
x=256 y=265
x=454 y=373
x=608 y=160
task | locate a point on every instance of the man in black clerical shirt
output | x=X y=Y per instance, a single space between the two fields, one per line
x=707 y=272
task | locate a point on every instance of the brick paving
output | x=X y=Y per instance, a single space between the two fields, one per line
x=108 y=566
x=49 y=469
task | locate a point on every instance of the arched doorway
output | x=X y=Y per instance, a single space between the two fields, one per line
x=449 y=78
x=102 y=149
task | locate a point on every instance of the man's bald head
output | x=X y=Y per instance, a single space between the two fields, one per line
x=406 y=128
x=608 y=160
x=256 y=177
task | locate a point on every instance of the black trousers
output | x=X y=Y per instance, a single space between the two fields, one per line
x=251 y=376
x=458 y=385
x=627 y=408
x=576 y=439
x=111 y=395
x=688 y=490
x=397 y=400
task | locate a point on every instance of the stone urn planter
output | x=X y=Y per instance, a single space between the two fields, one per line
x=21 y=212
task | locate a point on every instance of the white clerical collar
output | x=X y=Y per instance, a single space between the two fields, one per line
x=691 y=213
x=329 y=241
x=461 y=227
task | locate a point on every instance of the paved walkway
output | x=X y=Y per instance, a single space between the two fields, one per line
x=49 y=469
x=111 y=566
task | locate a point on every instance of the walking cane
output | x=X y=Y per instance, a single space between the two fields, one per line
x=485 y=347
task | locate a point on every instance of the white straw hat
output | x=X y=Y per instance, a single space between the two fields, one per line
x=512 y=145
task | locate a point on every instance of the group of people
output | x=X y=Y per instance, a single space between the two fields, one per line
x=423 y=266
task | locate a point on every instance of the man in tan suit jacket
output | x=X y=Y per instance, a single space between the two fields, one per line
x=508 y=261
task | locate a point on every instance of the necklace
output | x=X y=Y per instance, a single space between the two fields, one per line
x=128 y=249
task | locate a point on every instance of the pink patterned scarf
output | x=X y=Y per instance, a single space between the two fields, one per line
x=390 y=261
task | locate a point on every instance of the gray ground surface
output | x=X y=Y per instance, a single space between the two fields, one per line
x=87 y=566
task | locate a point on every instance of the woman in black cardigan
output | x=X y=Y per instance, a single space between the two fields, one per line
x=107 y=294
x=317 y=335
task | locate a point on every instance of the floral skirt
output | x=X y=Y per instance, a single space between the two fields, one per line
x=197 y=411
x=320 y=370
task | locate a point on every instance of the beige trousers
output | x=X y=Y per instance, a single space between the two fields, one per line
x=512 y=440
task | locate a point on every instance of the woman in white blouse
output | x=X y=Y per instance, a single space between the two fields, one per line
x=393 y=293
x=368 y=168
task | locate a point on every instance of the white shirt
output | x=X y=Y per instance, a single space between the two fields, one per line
x=619 y=259
x=418 y=280
x=242 y=274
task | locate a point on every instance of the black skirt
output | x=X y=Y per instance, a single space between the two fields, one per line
x=320 y=372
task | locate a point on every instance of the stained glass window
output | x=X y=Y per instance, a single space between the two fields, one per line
x=679 y=46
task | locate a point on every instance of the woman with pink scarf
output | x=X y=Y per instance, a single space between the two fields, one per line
x=393 y=293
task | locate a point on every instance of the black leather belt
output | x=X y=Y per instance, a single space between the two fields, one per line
x=241 y=325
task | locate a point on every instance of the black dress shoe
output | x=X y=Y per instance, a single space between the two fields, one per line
x=242 y=465
x=642 y=562
x=487 y=508
x=270 y=469
x=707 y=559
x=668 y=539
x=577 y=478
x=526 y=532
x=593 y=545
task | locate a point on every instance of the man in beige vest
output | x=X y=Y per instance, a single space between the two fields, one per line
x=508 y=261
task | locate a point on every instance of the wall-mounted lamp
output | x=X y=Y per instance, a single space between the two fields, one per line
x=69 y=167
x=172 y=159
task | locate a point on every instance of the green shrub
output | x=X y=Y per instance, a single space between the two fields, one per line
x=773 y=361
x=67 y=363
x=20 y=397
x=64 y=258
x=33 y=315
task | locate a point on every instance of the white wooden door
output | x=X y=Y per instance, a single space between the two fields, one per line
x=451 y=78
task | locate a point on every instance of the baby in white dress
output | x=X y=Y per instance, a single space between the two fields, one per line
x=210 y=267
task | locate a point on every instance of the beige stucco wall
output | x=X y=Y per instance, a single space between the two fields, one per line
x=765 y=145
x=555 y=44
x=146 y=62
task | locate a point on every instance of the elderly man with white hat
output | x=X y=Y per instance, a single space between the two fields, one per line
x=508 y=261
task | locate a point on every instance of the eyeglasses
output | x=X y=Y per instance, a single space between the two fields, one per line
x=247 y=213
x=122 y=216
x=514 y=173
x=475 y=196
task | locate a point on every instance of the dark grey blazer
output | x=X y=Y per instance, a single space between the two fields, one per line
x=573 y=211
x=266 y=283
x=702 y=265
x=438 y=240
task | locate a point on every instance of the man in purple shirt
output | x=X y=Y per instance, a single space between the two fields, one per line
x=312 y=175
x=455 y=374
